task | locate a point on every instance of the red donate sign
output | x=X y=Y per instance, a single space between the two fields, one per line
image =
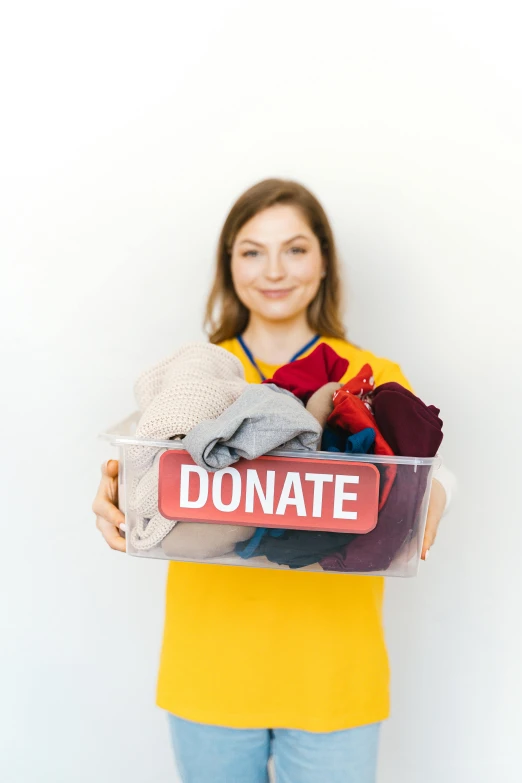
x=298 y=493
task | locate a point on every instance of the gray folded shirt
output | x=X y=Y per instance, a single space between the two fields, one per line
x=264 y=417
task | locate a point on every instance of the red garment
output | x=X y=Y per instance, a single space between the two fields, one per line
x=363 y=382
x=353 y=414
x=304 y=376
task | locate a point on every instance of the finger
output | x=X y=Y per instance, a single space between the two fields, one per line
x=108 y=511
x=110 y=468
x=426 y=546
x=435 y=511
x=111 y=535
x=430 y=534
x=107 y=489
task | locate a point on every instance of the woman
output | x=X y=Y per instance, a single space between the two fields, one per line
x=258 y=662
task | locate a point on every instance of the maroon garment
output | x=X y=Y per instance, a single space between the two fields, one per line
x=412 y=428
x=304 y=376
x=416 y=428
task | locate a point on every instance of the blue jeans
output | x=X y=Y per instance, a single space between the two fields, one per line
x=214 y=754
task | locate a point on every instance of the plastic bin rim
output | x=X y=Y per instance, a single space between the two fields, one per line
x=124 y=440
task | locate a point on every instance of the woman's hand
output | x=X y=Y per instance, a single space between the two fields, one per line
x=435 y=511
x=108 y=515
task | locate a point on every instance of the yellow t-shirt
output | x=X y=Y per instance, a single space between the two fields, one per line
x=259 y=648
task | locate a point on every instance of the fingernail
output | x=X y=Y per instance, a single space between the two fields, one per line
x=426 y=554
x=123 y=527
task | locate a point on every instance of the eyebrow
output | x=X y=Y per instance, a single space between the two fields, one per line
x=299 y=236
x=286 y=242
x=250 y=242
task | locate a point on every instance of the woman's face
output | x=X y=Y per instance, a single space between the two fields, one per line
x=277 y=265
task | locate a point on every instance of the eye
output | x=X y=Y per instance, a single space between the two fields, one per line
x=250 y=253
x=295 y=251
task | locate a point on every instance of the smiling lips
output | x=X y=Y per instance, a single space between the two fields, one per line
x=276 y=293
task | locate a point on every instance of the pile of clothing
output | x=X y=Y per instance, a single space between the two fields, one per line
x=200 y=395
x=357 y=419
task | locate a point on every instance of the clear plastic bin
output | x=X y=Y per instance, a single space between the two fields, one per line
x=313 y=511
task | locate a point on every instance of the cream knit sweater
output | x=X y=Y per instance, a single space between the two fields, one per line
x=197 y=383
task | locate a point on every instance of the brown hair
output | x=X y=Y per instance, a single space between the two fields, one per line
x=226 y=316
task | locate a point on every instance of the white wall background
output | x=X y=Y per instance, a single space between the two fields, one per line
x=128 y=130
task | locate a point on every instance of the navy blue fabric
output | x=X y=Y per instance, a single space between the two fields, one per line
x=338 y=440
x=296 y=548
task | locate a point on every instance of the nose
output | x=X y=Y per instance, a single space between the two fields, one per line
x=274 y=267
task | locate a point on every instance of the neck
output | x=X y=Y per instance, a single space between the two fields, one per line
x=275 y=342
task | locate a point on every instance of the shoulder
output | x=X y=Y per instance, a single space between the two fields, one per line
x=232 y=346
x=229 y=345
x=384 y=370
